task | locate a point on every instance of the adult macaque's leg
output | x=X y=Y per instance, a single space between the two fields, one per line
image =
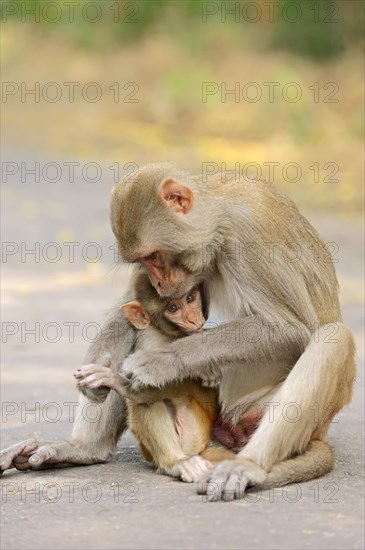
x=316 y=397
x=93 y=440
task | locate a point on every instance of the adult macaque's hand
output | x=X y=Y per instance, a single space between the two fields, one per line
x=160 y=367
x=153 y=368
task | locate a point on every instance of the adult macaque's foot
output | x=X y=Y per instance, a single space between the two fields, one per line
x=8 y=456
x=38 y=455
x=229 y=480
x=34 y=455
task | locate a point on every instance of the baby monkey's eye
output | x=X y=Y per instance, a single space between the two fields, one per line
x=172 y=308
x=190 y=297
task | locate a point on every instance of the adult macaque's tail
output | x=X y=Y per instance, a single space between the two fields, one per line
x=315 y=462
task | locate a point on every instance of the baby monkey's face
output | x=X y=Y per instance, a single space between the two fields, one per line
x=186 y=312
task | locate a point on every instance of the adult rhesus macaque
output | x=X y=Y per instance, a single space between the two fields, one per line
x=173 y=428
x=267 y=272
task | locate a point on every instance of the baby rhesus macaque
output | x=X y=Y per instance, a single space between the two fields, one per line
x=172 y=424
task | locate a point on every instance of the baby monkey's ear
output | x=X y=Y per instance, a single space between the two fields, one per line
x=136 y=315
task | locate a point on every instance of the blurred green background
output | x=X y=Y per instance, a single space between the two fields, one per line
x=151 y=58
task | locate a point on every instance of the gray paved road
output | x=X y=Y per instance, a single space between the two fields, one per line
x=125 y=504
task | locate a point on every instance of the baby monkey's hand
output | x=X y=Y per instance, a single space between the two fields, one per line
x=97 y=379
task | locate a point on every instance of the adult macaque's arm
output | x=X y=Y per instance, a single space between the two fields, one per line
x=250 y=340
x=117 y=338
x=114 y=344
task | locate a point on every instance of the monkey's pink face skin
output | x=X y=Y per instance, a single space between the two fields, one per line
x=187 y=312
x=168 y=280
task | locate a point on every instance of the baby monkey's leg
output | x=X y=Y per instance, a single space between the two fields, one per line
x=155 y=427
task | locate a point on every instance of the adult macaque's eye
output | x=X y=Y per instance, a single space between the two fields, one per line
x=190 y=298
x=172 y=308
x=151 y=257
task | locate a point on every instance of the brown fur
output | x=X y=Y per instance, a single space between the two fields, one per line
x=202 y=230
x=303 y=353
x=172 y=424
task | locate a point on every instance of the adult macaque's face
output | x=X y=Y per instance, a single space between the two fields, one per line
x=168 y=279
x=150 y=218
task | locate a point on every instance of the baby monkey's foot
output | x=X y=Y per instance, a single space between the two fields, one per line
x=191 y=469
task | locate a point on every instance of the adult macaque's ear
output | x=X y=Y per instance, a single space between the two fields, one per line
x=136 y=315
x=176 y=195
